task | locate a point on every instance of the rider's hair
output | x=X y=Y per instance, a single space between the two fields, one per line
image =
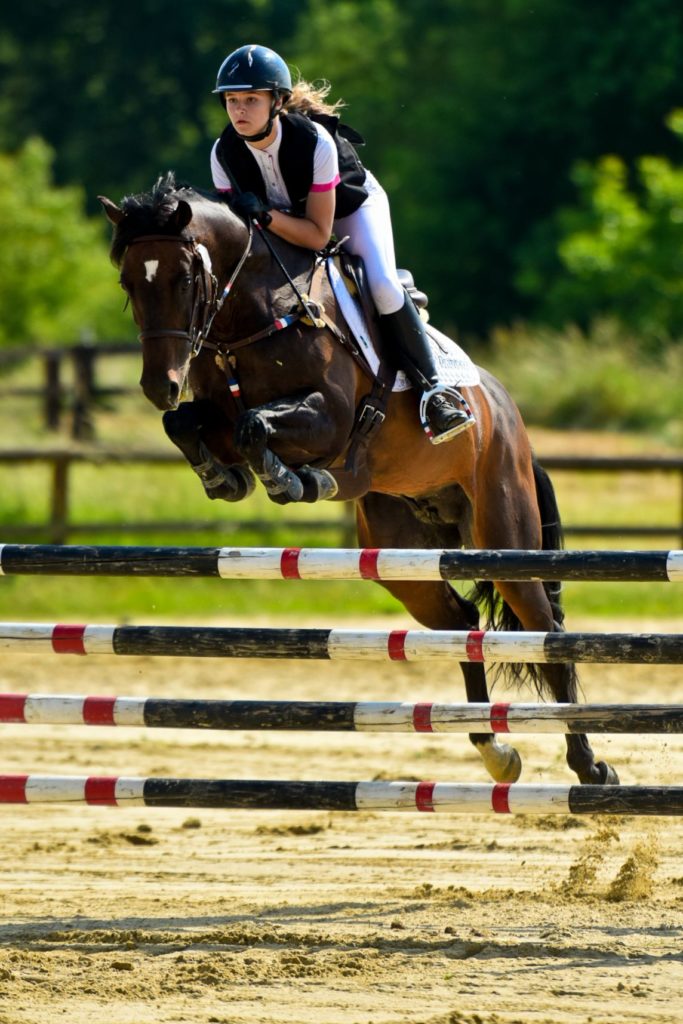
x=310 y=98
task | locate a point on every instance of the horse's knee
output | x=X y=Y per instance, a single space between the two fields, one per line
x=183 y=424
x=183 y=428
x=251 y=434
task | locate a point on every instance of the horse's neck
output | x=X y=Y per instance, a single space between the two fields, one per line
x=262 y=292
x=273 y=280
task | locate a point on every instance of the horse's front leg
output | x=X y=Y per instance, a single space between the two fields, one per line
x=302 y=430
x=197 y=429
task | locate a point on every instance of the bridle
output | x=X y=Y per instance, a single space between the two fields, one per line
x=206 y=302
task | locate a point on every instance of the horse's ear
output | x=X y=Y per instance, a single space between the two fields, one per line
x=114 y=213
x=181 y=216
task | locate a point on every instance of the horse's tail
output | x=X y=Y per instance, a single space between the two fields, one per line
x=498 y=613
x=552 y=533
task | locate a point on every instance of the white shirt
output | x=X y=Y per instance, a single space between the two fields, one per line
x=325 y=167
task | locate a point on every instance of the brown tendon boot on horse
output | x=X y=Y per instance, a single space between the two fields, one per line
x=443 y=410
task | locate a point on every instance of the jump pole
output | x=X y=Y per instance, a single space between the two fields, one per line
x=343 y=644
x=338 y=716
x=241 y=794
x=340 y=563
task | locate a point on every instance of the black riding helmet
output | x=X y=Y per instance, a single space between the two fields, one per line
x=254 y=68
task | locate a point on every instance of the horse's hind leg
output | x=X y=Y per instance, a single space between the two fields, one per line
x=561 y=681
x=511 y=517
x=385 y=521
x=529 y=603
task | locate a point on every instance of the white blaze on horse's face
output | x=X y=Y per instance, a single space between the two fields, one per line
x=151 y=267
x=206 y=259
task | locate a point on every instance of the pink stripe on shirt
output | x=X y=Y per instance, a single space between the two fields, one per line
x=326 y=187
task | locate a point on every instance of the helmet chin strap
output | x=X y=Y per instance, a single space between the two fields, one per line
x=260 y=136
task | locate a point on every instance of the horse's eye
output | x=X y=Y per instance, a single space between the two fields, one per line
x=185 y=282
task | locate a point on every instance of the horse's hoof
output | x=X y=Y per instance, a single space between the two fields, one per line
x=232 y=485
x=512 y=769
x=608 y=776
x=280 y=499
x=501 y=761
x=285 y=488
x=318 y=484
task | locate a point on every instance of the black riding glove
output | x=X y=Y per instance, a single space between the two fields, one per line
x=249 y=206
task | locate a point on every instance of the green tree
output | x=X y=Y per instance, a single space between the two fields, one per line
x=122 y=91
x=620 y=250
x=55 y=279
x=477 y=110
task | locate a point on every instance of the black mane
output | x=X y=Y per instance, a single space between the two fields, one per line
x=149 y=212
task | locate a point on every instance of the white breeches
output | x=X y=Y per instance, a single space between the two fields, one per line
x=370 y=236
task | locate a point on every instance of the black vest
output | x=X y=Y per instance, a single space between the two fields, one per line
x=295 y=156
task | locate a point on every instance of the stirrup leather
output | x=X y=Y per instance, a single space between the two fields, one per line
x=427 y=396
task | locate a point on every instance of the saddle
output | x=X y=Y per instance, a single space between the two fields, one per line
x=353 y=270
x=371 y=411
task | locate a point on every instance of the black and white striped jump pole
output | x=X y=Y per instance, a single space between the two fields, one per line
x=246 y=794
x=342 y=644
x=338 y=716
x=340 y=563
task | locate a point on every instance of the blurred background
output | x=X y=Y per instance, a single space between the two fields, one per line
x=533 y=154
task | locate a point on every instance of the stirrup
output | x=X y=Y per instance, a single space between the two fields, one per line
x=447 y=435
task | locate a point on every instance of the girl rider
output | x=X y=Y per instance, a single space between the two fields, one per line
x=297 y=173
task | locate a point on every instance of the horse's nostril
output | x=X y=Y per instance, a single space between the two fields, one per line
x=173 y=391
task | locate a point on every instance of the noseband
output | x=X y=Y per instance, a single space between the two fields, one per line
x=206 y=303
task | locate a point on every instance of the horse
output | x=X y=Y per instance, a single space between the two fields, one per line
x=276 y=395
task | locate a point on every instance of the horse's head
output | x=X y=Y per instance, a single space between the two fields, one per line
x=167 y=274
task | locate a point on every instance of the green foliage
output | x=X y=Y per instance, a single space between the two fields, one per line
x=477 y=109
x=122 y=91
x=55 y=278
x=475 y=113
x=600 y=379
x=620 y=249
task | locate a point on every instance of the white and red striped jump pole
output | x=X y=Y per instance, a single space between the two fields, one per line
x=340 y=563
x=344 y=644
x=339 y=716
x=246 y=794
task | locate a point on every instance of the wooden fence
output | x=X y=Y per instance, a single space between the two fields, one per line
x=78 y=398
x=59 y=526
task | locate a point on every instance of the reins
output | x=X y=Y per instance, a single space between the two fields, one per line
x=312 y=312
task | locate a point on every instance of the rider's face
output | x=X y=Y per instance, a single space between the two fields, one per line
x=248 y=111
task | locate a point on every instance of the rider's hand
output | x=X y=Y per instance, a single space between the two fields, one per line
x=249 y=206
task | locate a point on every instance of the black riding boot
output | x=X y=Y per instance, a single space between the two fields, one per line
x=444 y=412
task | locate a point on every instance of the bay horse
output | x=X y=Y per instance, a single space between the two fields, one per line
x=275 y=394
